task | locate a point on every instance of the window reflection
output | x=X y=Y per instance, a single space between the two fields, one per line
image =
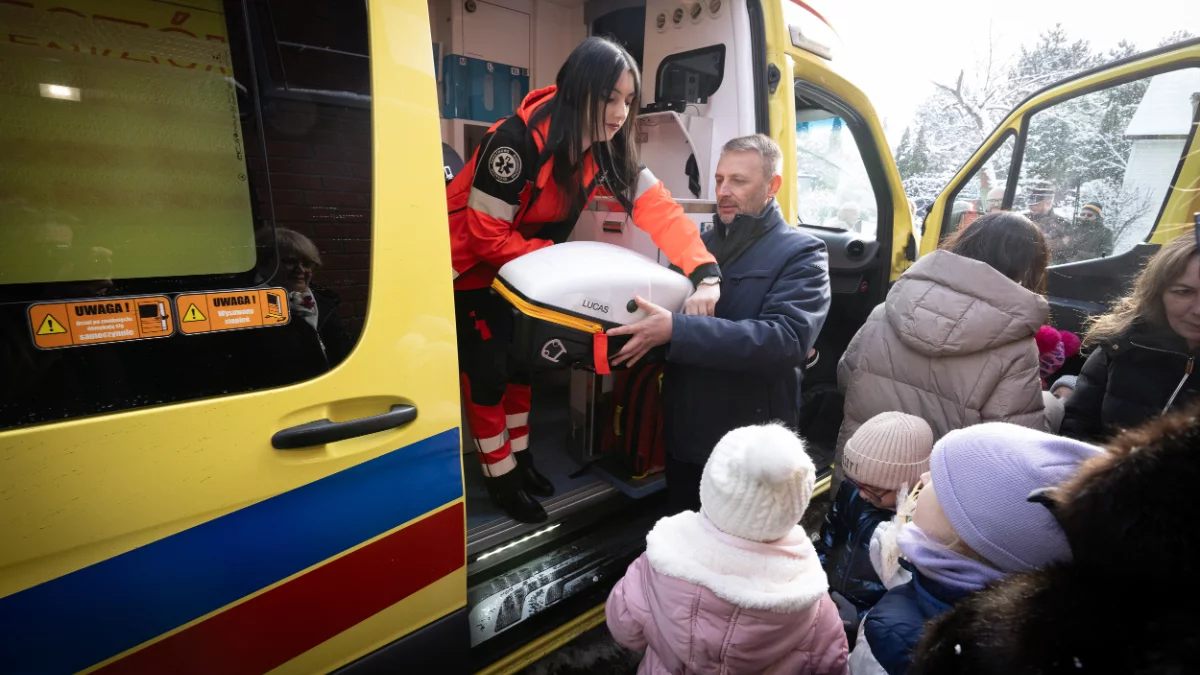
x=833 y=187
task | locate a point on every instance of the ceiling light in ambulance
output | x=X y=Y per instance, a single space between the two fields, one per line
x=809 y=29
x=803 y=38
x=59 y=91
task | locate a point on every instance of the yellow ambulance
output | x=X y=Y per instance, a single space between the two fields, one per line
x=230 y=431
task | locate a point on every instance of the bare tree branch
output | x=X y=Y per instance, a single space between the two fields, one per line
x=957 y=93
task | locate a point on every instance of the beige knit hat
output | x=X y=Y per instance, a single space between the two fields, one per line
x=891 y=449
x=757 y=483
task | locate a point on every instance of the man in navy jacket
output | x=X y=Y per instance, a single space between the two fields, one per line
x=742 y=366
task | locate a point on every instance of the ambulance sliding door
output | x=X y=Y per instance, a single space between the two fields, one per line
x=228 y=424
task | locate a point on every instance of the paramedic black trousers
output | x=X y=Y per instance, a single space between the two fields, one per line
x=497 y=392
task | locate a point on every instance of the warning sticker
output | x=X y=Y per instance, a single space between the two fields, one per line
x=231 y=310
x=91 y=322
x=50 y=326
x=193 y=314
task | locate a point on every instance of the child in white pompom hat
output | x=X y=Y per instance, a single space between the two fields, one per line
x=737 y=587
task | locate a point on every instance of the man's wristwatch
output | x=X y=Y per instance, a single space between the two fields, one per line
x=709 y=281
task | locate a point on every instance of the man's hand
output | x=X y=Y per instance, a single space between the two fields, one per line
x=650 y=332
x=704 y=300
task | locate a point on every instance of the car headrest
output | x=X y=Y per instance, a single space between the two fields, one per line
x=451 y=162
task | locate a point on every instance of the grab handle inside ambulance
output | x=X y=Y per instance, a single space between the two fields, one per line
x=320 y=432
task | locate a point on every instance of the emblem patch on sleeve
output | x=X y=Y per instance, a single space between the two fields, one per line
x=504 y=165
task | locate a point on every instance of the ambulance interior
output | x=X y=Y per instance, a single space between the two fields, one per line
x=515 y=46
x=695 y=56
x=518 y=45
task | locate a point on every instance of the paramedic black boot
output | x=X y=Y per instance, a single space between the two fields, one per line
x=507 y=493
x=535 y=483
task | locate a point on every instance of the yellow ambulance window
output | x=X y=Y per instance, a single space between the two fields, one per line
x=983 y=192
x=185 y=196
x=1096 y=169
x=123 y=151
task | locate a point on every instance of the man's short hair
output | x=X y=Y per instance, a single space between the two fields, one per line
x=767 y=149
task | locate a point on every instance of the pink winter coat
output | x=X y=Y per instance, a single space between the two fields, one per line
x=702 y=601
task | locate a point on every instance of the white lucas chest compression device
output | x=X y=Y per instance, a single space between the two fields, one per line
x=565 y=297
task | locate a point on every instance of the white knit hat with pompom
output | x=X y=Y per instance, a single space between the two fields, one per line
x=757 y=483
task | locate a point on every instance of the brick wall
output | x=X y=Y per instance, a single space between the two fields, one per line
x=319 y=157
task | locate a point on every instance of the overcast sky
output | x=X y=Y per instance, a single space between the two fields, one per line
x=893 y=49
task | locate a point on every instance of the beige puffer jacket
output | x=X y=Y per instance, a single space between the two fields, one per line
x=952 y=344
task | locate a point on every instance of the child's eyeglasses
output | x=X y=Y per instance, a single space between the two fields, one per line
x=866 y=491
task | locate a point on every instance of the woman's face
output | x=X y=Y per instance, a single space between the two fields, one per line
x=1181 y=301
x=296 y=272
x=615 y=111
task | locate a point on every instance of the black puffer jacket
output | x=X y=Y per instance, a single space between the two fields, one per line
x=845 y=547
x=1131 y=380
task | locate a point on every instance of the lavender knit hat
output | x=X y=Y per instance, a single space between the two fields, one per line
x=983 y=476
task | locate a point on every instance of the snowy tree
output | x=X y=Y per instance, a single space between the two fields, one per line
x=1177 y=36
x=942 y=137
x=912 y=155
x=1054 y=57
x=959 y=116
x=1075 y=143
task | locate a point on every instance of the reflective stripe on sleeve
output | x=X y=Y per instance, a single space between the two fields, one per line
x=646 y=180
x=493 y=206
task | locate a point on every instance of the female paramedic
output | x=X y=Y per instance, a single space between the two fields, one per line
x=523 y=190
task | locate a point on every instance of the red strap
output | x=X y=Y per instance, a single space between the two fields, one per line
x=485 y=333
x=600 y=353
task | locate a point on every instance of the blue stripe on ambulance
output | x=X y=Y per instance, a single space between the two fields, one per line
x=87 y=616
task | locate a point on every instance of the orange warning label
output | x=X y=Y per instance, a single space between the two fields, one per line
x=231 y=310
x=92 y=322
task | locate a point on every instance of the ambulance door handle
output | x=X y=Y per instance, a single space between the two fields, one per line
x=320 y=432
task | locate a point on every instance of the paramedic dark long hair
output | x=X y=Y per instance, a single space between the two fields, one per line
x=585 y=85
